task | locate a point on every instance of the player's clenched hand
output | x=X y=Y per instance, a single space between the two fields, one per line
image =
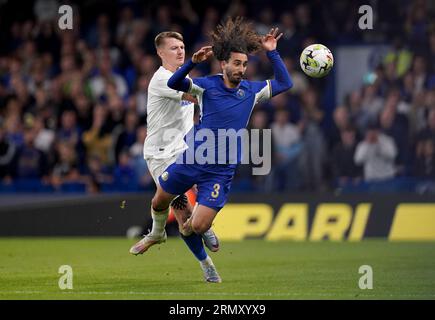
x=270 y=40
x=202 y=54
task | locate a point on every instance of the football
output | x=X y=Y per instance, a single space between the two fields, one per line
x=316 y=60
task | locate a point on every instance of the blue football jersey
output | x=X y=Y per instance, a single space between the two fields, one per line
x=225 y=111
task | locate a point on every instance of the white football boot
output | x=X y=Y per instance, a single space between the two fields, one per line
x=147 y=241
x=211 y=240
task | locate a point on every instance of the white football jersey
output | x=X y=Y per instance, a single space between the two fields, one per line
x=169 y=118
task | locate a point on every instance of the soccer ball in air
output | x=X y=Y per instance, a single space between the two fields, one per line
x=316 y=60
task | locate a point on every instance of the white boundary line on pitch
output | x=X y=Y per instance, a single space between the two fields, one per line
x=268 y=294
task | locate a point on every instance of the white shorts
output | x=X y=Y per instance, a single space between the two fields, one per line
x=158 y=166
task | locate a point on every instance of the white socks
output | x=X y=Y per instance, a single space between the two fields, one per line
x=206 y=262
x=159 y=221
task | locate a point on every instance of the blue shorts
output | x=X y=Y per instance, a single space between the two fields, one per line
x=213 y=182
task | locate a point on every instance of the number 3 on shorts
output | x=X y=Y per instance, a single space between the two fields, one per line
x=216 y=188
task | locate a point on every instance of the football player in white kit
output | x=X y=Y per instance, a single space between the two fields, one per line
x=169 y=119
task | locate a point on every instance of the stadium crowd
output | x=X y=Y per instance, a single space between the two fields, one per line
x=73 y=102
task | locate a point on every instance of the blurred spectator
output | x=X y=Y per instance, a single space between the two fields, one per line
x=106 y=76
x=279 y=102
x=148 y=65
x=23 y=96
x=29 y=162
x=98 y=139
x=400 y=56
x=140 y=165
x=429 y=131
x=124 y=174
x=28 y=53
x=391 y=78
x=345 y=170
x=188 y=14
x=105 y=48
x=371 y=106
x=287 y=148
x=425 y=159
x=417 y=23
x=357 y=114
x=259 y=121
x=98 y=174
x=377 y=154
x=116 y=110
x=126 y=135
x=41 y=101
x=303 y=20
x=407 y=87
x=38 y=84
x=69 y=131
x=142 y=95
x=424 y=167
x=422 y=103
x=13 y=126
x=7 y=152
x=341 y=121
x=70 y=81
x=395 y=125
x=15 y=71
x=291 y=39
x=125 y=25
x=420 y=72
x=313 y=153
x=83 y=107
x=44 y=137
x=101 y=24
x=265 y=20
x=163 y=19
x=47 y=41
x=66 y=167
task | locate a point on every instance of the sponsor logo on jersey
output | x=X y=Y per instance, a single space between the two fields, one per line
x=185 y=103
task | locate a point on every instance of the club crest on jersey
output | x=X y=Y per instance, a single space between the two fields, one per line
x=165 y=176
x=240 y=93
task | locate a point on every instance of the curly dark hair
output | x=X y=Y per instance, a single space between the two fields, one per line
x=234 y=35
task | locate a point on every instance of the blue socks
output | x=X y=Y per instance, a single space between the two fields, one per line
x=194 y=242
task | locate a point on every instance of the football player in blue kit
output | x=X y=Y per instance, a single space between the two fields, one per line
x=226 y=102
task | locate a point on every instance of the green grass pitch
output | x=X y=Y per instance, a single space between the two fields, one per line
x=251 y=269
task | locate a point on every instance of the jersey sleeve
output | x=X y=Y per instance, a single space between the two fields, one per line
x=198 y=86
x=282 y=81
x=160 y=88
x=262 y=89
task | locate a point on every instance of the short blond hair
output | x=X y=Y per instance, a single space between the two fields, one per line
x=158 y=41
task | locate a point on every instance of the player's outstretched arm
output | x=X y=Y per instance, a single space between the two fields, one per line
x=178 y=80
x=282 y=81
